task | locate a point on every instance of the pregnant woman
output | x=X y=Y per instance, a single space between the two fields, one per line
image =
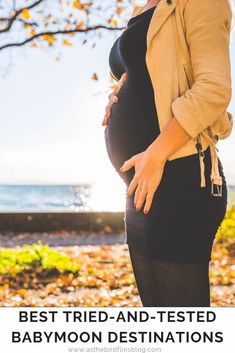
x=172 y=212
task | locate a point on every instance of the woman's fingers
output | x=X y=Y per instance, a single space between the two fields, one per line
x=137 y=193
x=133 y=184
x=112 y=95
x=113 y=98
x=123 y=77
x=149 y=199
x=114 y=91
x=141 y=196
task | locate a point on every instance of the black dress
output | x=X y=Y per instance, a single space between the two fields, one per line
x=183 y=218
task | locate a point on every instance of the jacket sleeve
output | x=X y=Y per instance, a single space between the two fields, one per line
x=207 y=26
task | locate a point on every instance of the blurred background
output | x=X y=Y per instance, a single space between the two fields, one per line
x=54 y=90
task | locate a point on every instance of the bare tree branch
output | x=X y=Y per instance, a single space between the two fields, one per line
x=53 y=33
x=33 y=24
x=17 y=13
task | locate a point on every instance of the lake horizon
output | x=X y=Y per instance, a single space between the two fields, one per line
x=81 y=197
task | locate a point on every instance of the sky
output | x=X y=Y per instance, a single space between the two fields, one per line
x=51 y=115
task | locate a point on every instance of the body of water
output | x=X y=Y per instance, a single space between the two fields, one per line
x=49 y=198
x=45 y=197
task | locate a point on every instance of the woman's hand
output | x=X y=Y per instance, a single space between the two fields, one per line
x=113 y=98
x=148 y=174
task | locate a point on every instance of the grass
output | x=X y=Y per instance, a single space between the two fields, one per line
x=13 y=261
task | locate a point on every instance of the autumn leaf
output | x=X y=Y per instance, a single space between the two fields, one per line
x=31 y=30
x=78 y=5
x=34 y=45
x=49 y=38
x=114 y=22
x=79 y=25
x=94 y=77
x=25 y=14
x=119 y=10
x=66 y=42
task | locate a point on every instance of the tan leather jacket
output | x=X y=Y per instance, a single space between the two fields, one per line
x=189 y=65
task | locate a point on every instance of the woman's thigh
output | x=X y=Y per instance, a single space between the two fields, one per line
x=170 y=283
x=141 y=265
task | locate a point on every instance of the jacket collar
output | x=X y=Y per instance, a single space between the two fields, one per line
x=160 y=14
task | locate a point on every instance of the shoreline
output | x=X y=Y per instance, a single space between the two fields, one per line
x=61 y=239
x=80 y=222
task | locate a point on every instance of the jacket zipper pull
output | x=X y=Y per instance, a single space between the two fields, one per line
x=201 y=155
x=218 y=187
x=216 y=179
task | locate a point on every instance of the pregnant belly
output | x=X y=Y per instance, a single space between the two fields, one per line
x=131 y=126
x=121 y=144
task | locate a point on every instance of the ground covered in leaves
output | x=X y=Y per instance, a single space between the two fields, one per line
x=92 y=275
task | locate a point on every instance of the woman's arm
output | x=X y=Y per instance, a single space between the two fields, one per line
x=149 y=164
x=208 y=26
x=172 y=137
x=207 y=31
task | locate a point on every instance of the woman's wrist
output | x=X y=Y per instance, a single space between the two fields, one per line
x=156 y=153
x=171 y=138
